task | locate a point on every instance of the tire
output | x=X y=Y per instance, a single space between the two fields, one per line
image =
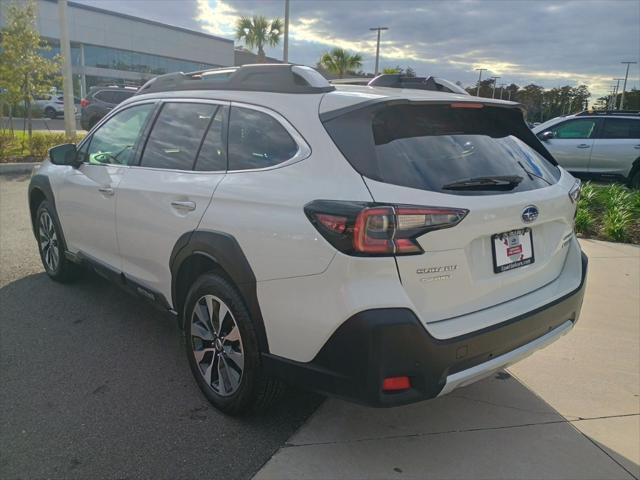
x=634 y=180
x=223 y=353
x=51 y=246
x=50 y=112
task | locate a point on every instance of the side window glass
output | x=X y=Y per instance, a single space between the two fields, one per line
x=213 y=153
x=176 y=135
x=257 y=140
x=104 y=96
x=621 y=128
x=114 y=142
x=582 y=128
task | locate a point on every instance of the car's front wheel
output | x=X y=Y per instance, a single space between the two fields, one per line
x=222 y=348
x=51 y=246
x=634 y=181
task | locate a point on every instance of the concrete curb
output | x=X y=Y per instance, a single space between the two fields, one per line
x=20 y=168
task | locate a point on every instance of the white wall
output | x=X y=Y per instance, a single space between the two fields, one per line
x=96 y=28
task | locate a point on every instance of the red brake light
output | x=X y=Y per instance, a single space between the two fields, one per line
x=84 y=102
x=467 y=105
x=357 y=228
x=393 y=384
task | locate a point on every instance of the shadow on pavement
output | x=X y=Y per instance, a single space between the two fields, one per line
x=95 y=383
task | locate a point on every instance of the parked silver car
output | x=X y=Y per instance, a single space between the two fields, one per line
x=596 y=143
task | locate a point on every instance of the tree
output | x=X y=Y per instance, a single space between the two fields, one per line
x=397 y=70
x=24 y=72
x=410 y=72
x=338 y=61
x=258 y=32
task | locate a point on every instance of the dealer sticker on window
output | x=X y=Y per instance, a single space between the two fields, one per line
x=512 y=249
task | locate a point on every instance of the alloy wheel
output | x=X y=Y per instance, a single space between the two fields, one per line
x=217 y=345
x=49 y=241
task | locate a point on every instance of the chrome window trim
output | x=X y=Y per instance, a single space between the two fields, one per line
x=304 y=150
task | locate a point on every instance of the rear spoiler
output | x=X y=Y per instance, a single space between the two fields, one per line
x=511 y=116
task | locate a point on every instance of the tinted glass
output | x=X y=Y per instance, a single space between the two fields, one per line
x=621 y=128
x=257 y=140
x=431 y=147
x=176 y=135
x=213 y=153
x=121 y=96
x=114 y=142
x=583 y=128
x=105 y=96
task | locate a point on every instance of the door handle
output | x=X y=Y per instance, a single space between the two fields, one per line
x=584 y=145
x=106 y=191
x=180 y=205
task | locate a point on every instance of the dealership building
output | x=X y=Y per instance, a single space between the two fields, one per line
x=109 y=48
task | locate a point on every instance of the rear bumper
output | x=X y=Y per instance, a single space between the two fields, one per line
x=376 y=344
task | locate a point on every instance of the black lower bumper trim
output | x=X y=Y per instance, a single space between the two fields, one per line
x=380 y=343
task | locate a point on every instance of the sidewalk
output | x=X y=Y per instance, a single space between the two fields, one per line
x=570 y=411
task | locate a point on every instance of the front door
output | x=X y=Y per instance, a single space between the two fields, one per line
x=165 y=196
x=617 y=147
x=86 y=199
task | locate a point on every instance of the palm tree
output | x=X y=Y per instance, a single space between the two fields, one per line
x=258 y=32
x=339 y=61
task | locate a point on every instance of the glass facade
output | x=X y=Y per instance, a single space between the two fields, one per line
x=104 y=57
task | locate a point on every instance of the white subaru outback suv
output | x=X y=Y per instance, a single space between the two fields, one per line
x=378 y=244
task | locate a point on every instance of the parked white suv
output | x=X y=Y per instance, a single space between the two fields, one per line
x=378 y=244
x=51 y=105
x=596 y=143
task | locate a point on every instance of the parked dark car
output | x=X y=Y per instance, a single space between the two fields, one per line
x=100 y=101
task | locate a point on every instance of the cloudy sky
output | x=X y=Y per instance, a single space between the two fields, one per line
x=548 y=42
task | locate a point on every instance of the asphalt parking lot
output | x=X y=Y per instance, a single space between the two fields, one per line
x=95 y=384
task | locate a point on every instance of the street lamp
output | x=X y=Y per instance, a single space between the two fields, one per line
x=624 y=85
x=495 y=79
x=501 y=89
x=285 y=49
x=615 y=95
x=378 y=29
x=479 y=79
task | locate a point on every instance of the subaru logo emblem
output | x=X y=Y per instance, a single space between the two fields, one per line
x=529 y=214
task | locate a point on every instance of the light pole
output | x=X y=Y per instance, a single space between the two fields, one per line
x=493 y=94
x=624 y=85
x=479 y=79
x=378 y=29
x=615 y=95
x=285 y=49
x=67 y=79
x=501 y=89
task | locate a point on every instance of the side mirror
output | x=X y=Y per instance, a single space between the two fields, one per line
x=548 y=135
x=65 y=154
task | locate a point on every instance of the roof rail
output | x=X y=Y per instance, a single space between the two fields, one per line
x=608 y=112
x=394 y=80
x=276 y=78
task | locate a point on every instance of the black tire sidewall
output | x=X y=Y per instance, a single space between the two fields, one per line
x=66 y=271
x=245 y=396
x=50 y=113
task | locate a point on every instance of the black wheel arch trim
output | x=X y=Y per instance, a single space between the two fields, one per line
x=42 y=184
x=225 y=251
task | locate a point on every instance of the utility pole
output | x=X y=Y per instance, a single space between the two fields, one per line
x=501 y=89
x=624 y=85
x=493 y=94
x=378 y=29
x=285 y=50
x=509 y=94
x=67 y=79
x=615 y=95
x=479 y=80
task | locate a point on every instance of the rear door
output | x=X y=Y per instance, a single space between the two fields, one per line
x=617 y=147
x=440 y=156
x=166 y=194
x=572 y=143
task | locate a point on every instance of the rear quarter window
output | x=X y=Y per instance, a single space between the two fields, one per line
x=431 y=146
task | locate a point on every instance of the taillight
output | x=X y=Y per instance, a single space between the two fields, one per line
x=84 y=102
x=358 y=228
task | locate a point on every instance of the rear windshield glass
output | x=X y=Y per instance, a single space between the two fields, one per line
x=443 y=149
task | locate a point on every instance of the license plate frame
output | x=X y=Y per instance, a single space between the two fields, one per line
x=518 y=242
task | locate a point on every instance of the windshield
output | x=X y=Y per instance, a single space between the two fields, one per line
x=432 y=147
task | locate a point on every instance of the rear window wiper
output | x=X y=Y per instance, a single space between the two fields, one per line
x=506 y=182
x=533 y=175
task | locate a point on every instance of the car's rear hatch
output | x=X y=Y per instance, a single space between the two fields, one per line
x=481 y=158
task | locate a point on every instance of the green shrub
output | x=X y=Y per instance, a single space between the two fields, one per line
x=588 y=195
x=584 y=221
x=615 y=195
x=616 y=223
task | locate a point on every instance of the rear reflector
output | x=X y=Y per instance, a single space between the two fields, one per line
x=84 y=102
x=394 y=384
x=467 y=105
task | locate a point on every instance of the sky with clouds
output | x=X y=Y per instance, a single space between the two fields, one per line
x=547 y=42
